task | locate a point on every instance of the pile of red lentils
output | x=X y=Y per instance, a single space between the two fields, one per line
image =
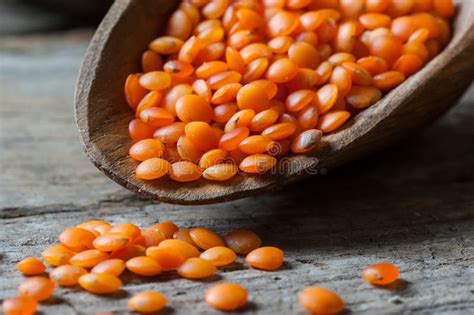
x=94 y=254
x=235 y=85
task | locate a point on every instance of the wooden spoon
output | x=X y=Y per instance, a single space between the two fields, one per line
x=102 y=114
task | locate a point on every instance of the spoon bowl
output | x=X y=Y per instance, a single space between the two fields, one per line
x=102 y=114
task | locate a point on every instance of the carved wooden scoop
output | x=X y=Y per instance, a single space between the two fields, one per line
x=102 y=114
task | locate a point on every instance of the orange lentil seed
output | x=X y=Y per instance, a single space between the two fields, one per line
x=306 y=141
x=263 y=120
x=147 y=302
x=257 y=163
x=256 y=144
x=193 y=108
x=226 y=297
x=30 y=266
x=151 y=61
x=134 y=92
x=167 y=228
x=187 y=150
x=201 y=135
x=219 y=256
x=152 y=237
x=234 y=60
x=152 y=168
x=265 y=258
x=318 y=300
x=128 y=252
x=208 y=69
x=169 y=134
x=388 y=80
x=332 y=120
x=156 y=116
x=144 y=266
x=22 y=305
x=212 y=157
x=196 y=268
x=326 y=97
x=77 y=239
x=380 y=273
x=113 y=267
x=38 y=288
x=185 y=171
x=183 y=235
x=205 y=238
x=100 y=283
x=167 y=257
x=226 y=93
x=242 y=242
x=282 y=70
x=280 y=131
x=363 y=96
x=88 y=258
x=308 y=117
x=146 y=149
x=186 y=249
x=297 y=100
x=231 y=140
x=155 y=80
x=178 y=69
x=220 y=172
x=166 y=45
x=67 y=275
x=408 y=64
x=139 y=130
x=57 y=255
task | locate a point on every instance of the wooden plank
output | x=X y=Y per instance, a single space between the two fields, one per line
x=412 y=204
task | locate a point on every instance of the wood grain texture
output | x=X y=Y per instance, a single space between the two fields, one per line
x=102 y=114
x=412 y=204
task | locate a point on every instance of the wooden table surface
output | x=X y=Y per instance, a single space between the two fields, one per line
x=412 y=204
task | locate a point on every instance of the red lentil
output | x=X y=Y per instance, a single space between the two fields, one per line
x=100 y=283
x=152 y=237
x=77 y=239
x=196 y=268
x=205 y=238
x=67 y=275
x=30 y=266
x=57 y=255
x=128 y=252
x=380 y=273
x=265 y=258
x=37 y=288
x=226 y=297
x=167 y=257
x=144 y=266
x=275 y=68
x=111 y=241
x=186 y=249
x=113 y=267
x=19 y=305
x=147 y=302
x=129 y=229
x=242 y=242
x=318 y=300
x=183 y=235
x=306 y=141
x=88 y=258
x=219 y=256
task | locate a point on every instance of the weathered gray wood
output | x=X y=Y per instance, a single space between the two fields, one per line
x=412 y=204
x=102 y=114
